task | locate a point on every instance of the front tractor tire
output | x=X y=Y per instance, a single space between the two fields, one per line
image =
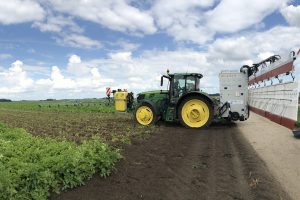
x=195 y=112
x=145 y=115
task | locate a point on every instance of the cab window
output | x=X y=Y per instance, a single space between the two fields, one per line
x=184 y=84
x=179 y=85
x=190 y=83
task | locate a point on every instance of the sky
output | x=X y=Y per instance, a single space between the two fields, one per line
x=75 y=49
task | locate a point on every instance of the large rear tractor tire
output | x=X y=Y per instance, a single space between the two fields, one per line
x=195 y=112
x=145 y=115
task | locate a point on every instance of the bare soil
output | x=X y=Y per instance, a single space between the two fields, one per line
x=179 y=163
x=75 y=126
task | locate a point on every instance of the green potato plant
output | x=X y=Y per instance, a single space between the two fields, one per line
x=31 y=167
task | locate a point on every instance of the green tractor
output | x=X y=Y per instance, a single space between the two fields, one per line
x=182 y=101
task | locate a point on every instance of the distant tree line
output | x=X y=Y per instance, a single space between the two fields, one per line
x=49 y=100
x=5 y=100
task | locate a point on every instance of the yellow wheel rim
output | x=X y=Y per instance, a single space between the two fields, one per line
x=144 y=115
x=195 y=113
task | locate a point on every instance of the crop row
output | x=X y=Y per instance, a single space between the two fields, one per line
x=31 y=167
x=101 y=106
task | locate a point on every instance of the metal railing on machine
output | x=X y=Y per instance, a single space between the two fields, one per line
x=273 y=89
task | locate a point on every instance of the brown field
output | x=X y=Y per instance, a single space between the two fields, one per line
x=162 y=162
x=111 y=127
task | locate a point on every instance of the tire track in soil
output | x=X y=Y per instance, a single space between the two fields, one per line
x=179 y=163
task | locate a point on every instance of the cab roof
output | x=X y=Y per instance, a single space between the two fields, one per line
x=187 y=74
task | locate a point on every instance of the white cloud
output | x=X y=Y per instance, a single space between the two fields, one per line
x=59 y=81
x=57 y=24
x=135 y=79
x=44 y=82
x=37 y=69
x=15 y=80
x=125 y=45
x=183 y=20
x=116 y=14
x=56 y=74
x=264 y=55
x=5 y=56
x=16 y=67
x=68 y=32
x=292 y=15
x=18 y=11
x=121 y=56
x=199 y=21
x=74 y=59
x=75 y=67
x=232 y=48
x=95 y=73
x=232 y=15
x=17 y=84
x=280 y=40
x=78 y=41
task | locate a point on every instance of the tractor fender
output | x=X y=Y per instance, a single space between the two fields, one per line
x=192 y=94
x=152 y=104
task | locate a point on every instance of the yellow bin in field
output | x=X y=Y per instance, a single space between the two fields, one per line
x=120 y=98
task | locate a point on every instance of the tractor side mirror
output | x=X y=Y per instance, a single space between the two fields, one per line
x=162 y=79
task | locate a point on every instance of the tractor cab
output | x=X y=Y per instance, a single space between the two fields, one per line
x=180 y=84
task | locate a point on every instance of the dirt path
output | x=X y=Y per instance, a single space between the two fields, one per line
x=178 y=163
x=277 y=146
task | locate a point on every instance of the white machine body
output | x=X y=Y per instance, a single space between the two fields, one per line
x=234 y=92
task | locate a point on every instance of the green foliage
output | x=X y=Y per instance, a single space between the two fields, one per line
x=31 y=167
x=87 y=105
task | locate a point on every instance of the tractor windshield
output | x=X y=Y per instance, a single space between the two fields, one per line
x=184 y=84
